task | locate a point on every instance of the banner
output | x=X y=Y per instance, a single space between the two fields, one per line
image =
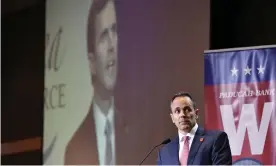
x=239 y=93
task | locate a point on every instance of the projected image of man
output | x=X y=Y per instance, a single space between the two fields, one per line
x=94 y=142
x=102 y=55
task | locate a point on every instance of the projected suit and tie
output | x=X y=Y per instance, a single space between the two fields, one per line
x=96 y=140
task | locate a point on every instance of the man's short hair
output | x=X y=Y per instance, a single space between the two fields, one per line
x=184 y=94
x=95 y=9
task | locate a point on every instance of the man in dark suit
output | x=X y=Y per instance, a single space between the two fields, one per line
x=193 y=145
x=101 y=138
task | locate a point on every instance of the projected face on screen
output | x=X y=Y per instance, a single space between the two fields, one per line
x=103 y=57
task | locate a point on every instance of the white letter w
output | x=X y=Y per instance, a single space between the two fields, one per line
x=247 y=121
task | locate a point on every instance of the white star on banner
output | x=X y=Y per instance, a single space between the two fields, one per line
x=261 y=70
x=247 y=70
x=234 y=71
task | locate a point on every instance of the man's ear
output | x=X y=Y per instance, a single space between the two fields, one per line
x=172 y=117
x=197 y=113
x=92 y=62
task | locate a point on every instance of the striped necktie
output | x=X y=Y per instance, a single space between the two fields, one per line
x=185 y=151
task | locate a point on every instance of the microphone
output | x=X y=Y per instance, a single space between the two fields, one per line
x=162 y=143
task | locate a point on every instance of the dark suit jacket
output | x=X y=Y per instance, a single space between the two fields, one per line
x=208 y=148
x=82 y=148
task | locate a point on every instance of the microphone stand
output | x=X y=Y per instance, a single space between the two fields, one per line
x=149 y=153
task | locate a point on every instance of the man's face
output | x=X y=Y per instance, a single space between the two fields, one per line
x=183 y=113
x=105 y=64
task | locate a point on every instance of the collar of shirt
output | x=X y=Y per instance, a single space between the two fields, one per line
x=100 y=122
x=191 y=134
x=100 y=117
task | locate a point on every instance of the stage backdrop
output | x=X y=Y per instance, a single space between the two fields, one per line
x=240 y=99
x=158 y=46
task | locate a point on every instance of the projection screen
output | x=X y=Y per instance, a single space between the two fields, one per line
x=111 y=68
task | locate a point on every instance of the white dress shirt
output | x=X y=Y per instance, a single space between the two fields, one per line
x=191 y=134
x=100 y=122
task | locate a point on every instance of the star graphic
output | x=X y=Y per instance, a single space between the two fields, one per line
x=234 y=71
x=247 y=70
x=261 y=70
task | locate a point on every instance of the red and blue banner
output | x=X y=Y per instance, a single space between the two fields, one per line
x=239 y=93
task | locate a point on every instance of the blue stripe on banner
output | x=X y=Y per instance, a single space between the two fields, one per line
x=254 y=65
